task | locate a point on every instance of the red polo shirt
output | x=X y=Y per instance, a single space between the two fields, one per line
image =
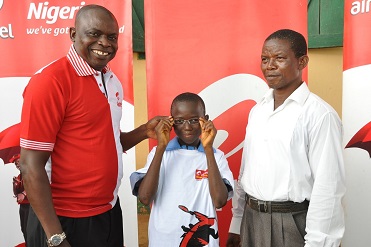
x=67 y=111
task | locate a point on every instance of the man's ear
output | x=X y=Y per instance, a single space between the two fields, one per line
x=72 y=34
x=207 y=117
x=303 y=62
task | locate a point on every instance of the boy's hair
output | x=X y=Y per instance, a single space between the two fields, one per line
x=188 y=97
x=297 y=40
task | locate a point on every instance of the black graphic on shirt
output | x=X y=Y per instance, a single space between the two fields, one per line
x=197 y=235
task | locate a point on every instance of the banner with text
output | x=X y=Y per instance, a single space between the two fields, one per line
x=34 y=34
x=357 y=120
x=213 y=48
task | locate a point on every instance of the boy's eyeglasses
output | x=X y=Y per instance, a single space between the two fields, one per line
x=192 y=121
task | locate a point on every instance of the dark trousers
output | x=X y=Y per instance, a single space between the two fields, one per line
x=23 y=217
x=104 y=230
x=272 y=230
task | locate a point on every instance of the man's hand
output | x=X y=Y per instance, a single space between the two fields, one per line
x=208 y=132
x=162 y=130
x=233 y=240
x=151 y=125
x=65 y=243
x=20 y=197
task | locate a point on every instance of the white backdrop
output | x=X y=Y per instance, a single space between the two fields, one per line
x=356 y=114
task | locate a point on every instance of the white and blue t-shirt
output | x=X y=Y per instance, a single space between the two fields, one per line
x=182 y=212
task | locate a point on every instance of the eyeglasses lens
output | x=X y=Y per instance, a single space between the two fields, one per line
x=191 y=121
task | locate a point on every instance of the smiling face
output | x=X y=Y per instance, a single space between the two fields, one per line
x=281 y=68
x=188 y=133
x=95 y=36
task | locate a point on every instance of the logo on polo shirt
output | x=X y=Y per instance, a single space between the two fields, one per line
x=119 y=102
x=1 y=3
x=201 y=174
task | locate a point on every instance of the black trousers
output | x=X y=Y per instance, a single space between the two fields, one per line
x=23 y=217
x=103 y=230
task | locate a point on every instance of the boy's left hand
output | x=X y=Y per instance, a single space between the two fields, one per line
x=208 y=132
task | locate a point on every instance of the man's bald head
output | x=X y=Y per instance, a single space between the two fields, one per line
x=89 y=9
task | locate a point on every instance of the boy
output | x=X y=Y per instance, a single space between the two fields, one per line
x=186 y=178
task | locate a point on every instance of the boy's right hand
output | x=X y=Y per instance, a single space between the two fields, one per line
x=163 y=129
x=151 y=126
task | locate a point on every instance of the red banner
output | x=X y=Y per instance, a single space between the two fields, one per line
x=357 y=34
x=357 y=119
x=34 y=34
x=213 y=48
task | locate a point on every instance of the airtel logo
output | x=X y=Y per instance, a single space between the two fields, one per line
x=242 y=87
x=6 y=31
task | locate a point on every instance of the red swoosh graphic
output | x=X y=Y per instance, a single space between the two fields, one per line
x=362 y=139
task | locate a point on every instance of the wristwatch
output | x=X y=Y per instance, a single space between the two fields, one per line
x=56 y=239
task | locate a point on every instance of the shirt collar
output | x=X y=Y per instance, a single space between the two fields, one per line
x=174 y=145
x=300 y=95
x=81 y=67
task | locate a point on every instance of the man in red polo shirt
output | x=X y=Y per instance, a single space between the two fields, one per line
x=71 y=114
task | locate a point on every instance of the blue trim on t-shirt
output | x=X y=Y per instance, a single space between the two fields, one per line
x=174 y=145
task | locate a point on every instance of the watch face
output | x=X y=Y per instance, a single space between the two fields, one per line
x=56 y=240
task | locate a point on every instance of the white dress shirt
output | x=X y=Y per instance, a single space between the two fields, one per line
x=295 y=153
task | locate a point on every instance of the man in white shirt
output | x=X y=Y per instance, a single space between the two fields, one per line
x=292 y=179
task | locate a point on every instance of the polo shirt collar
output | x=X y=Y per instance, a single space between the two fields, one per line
x=174 y=145
x=81 y=67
